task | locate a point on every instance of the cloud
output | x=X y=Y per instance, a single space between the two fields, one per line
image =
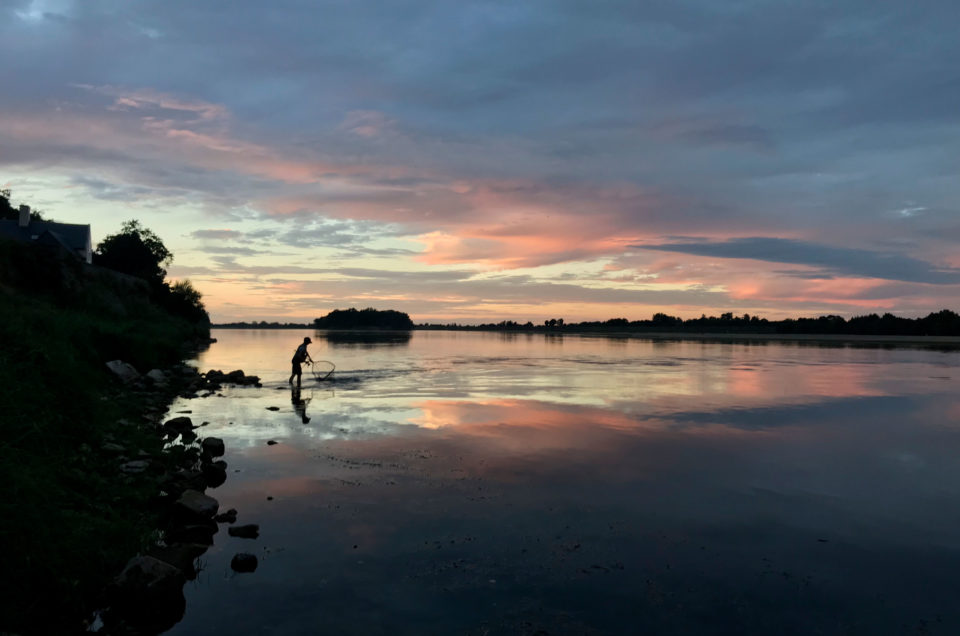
x=835 y=260
x=229 y=235
x=494 y=136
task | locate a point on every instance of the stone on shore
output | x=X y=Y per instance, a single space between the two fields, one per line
x=157 y=376
x=147 y=595
x=200 y=534
x=179 y=425
x=180 y=555
x=230 y=516
x=213 y=446
x=124 y=371
x=135 y=467
x=214 y=474
x=198 y=504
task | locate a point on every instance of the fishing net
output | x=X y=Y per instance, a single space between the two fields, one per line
x=322 y=370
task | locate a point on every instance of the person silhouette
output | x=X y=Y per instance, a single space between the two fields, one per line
x=299 y=404
x=299 y=357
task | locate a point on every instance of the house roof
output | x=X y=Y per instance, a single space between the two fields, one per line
x=70 y=235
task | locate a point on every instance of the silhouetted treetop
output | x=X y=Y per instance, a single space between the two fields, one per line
x=136 y=251
x=364 y=319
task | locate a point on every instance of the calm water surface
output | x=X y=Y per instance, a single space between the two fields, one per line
x=472 y=483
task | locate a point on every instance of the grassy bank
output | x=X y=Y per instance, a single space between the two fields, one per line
x=69 y=518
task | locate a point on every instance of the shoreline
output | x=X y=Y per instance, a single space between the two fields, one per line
x=949 y=341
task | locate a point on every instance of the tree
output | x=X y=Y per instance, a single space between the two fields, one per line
x=184 y=300
x=10 y=213
x=136 y=251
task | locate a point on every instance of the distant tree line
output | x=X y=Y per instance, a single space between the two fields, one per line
x=941 y=323
x=263 y=324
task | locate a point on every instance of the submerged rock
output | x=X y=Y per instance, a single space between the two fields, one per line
x=244 y=562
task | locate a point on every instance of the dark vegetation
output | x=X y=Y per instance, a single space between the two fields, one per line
x=387 y=319
x=941 y=323
x=9 y=212
x=68 y=518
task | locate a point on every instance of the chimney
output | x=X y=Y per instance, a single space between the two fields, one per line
x=24 y=215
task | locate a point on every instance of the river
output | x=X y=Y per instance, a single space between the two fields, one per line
x=484 y=483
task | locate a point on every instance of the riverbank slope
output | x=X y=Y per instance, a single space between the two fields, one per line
x=70 y=516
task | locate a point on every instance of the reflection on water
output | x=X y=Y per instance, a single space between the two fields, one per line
x=366 y=339
x=470 y=483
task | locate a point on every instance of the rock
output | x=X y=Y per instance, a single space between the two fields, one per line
x=188 y=437
x=214 y=474
x=135 y=467
x=198 y=504
x=179 y=424
x=157 y=376
x=214 y=377
x=201 y=534
x=124 y=371
x=273 y=408
x=213 y=446
x=244 y=562
x=271 y=443
x=147 y=595
x=230 y=516
x=175 y=483
x=180 y=555
x=249 y=531
x=110 y=447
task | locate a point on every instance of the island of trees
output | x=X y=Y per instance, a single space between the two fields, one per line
x=374 y=319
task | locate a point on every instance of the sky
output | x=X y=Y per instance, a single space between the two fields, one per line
x=503 y=160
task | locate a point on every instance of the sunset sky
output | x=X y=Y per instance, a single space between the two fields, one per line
x=481 y=161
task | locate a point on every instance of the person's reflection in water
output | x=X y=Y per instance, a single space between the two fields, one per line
x=299 y=404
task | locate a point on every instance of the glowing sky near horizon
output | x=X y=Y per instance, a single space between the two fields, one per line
x=485 y=161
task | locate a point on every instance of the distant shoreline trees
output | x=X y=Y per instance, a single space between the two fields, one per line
x=942 y=323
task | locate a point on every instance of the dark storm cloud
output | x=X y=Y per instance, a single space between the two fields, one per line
x=836 y=260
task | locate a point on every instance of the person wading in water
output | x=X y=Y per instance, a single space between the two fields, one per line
x=299 y=357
